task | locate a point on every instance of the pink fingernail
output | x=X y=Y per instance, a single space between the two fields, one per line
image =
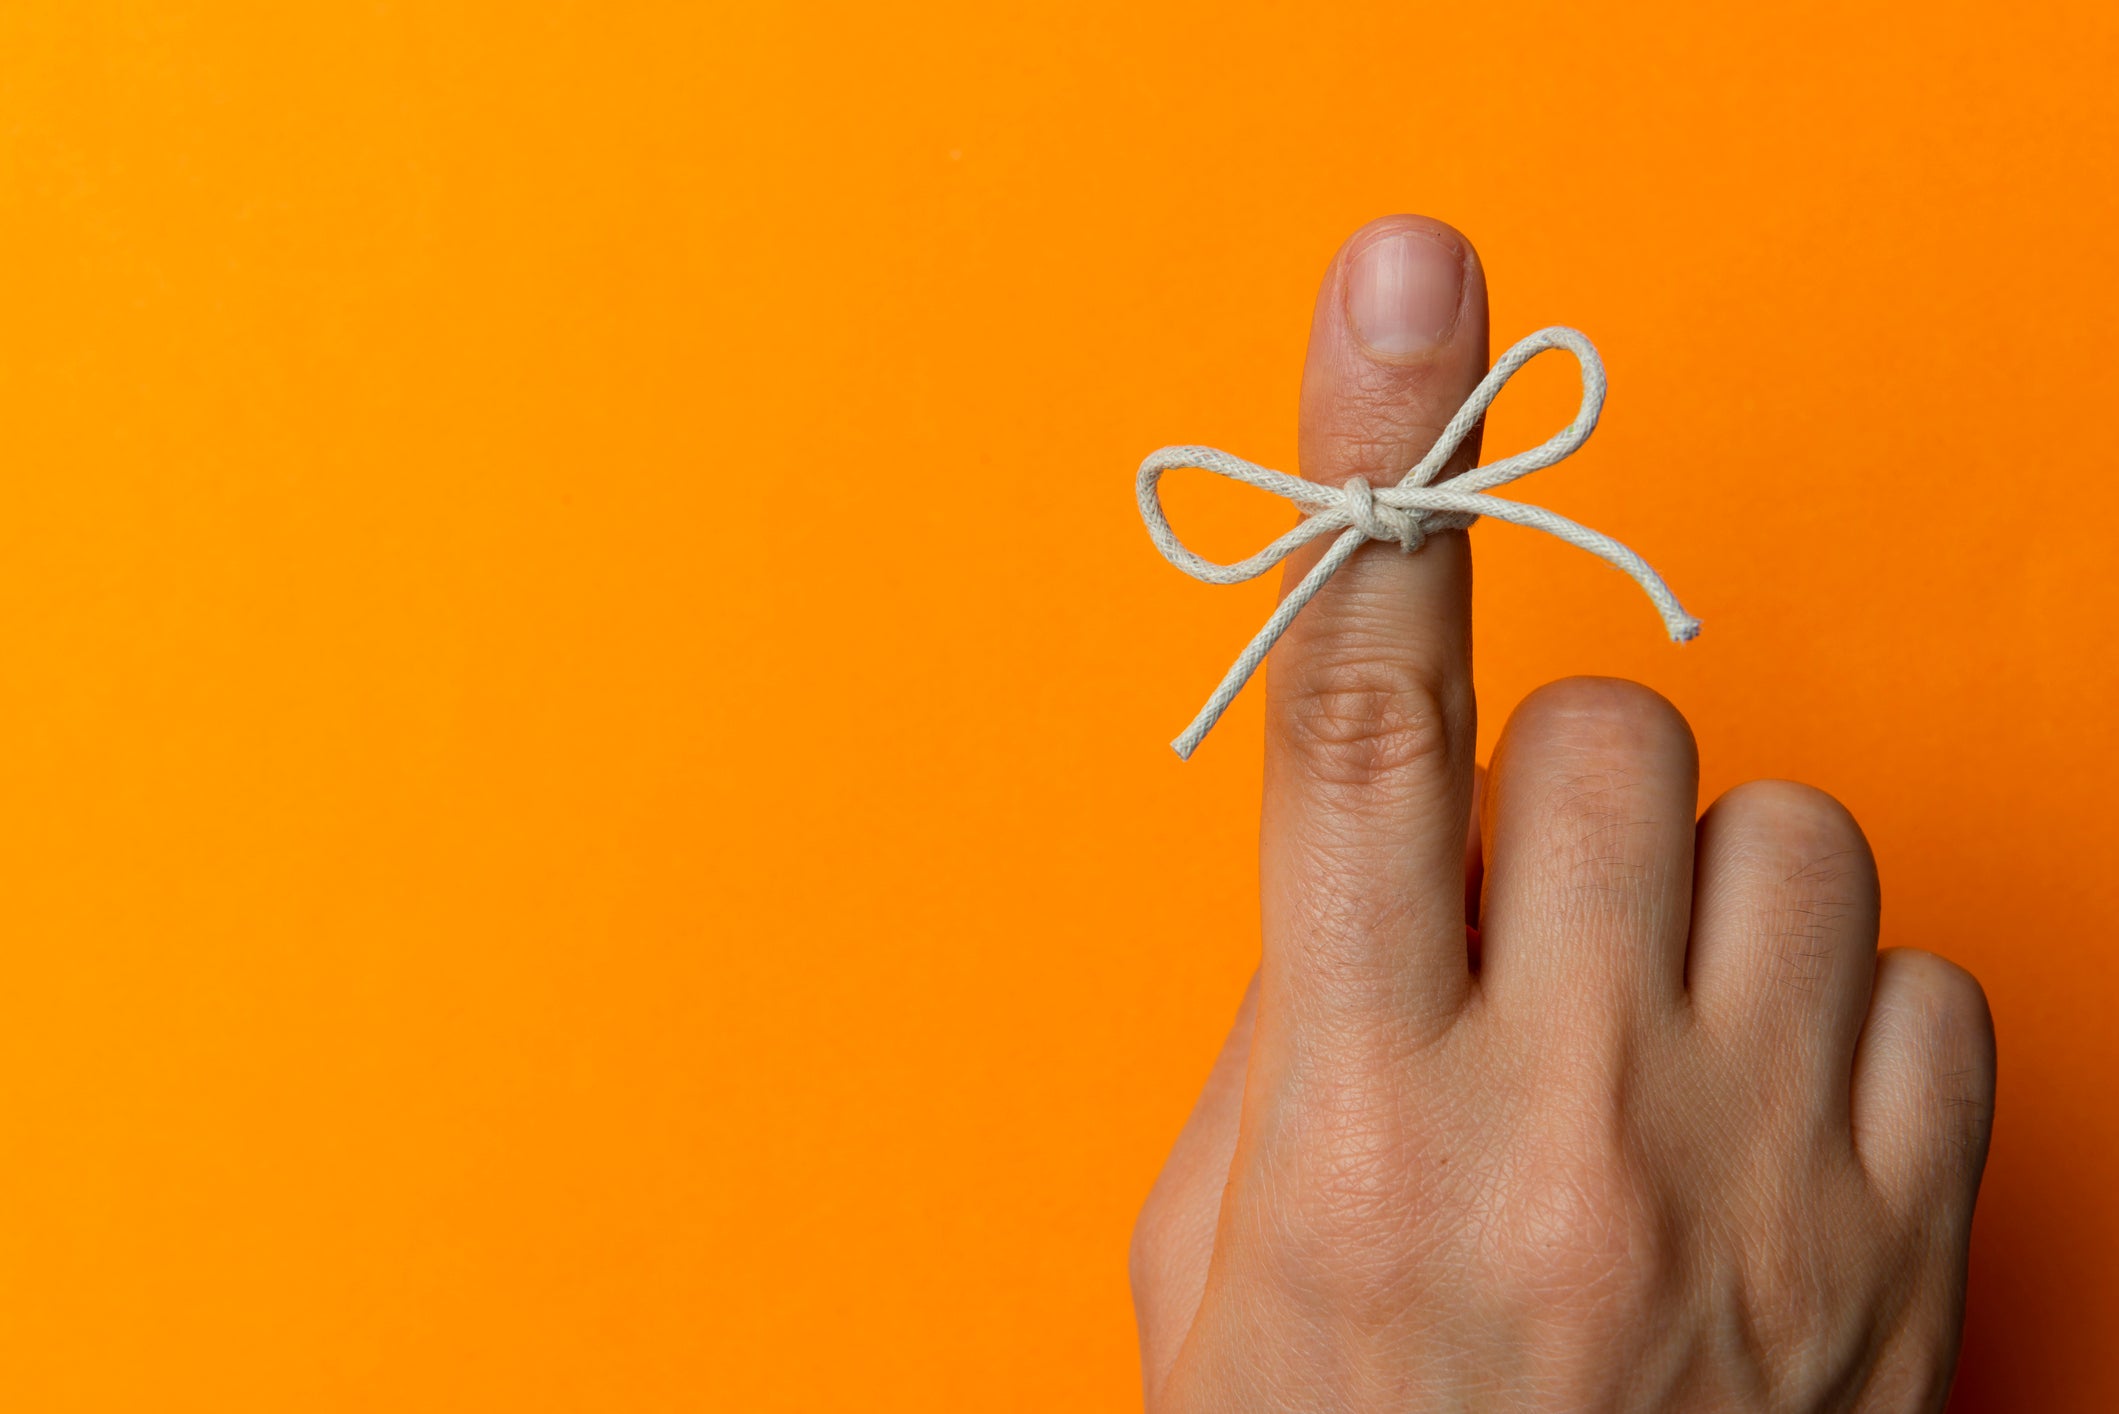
x=1403 y=291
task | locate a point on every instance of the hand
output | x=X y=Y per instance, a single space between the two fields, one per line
x=1630 y=1116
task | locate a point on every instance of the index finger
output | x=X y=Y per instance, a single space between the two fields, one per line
x=1370 y=714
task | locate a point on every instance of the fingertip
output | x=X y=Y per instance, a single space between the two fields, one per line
x=1398 y=340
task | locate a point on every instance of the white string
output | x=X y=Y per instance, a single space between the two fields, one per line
x=1404 y=513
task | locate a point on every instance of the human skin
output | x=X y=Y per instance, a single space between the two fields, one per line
x=1598 y=1104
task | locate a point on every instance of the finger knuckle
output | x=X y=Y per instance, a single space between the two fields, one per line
x=1787 y=821
x=1355 y=718
x=1792 y=860
x=1955 y=1000
x=1955 y=1024
x=1602 y=717
x=1930 y=1093
x=1594 y=816
x=1599 y=754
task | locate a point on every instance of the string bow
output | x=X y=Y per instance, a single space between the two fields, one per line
x=1405 y=513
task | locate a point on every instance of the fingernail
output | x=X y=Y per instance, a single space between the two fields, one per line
x=1403 y=291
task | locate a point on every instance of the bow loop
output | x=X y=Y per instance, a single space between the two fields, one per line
x=1405 y=513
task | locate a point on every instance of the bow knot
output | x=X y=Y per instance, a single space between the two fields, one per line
x=1378 y=521
x=1358 y=513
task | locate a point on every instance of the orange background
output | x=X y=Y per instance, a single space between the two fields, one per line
x=586 y=822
